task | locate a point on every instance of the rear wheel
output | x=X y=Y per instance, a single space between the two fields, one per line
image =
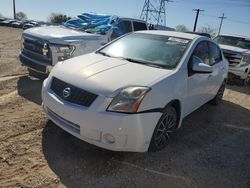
x=164 y=128
x=218 y=97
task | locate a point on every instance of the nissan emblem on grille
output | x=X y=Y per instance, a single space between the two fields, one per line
x=66 y=92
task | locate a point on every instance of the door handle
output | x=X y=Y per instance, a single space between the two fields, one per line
x=210 y=76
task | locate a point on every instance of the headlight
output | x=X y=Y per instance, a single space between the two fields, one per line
x=128 y=100
x=65 y=52
x=246 y=59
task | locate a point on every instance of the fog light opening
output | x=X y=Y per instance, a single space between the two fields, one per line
x=108 y=138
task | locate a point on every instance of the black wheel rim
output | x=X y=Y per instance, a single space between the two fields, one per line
x=165 y=128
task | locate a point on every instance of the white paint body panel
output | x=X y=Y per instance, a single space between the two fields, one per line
x=106 y=76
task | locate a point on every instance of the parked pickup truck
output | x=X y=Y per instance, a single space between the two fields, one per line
x=43 y=47
x=236 y=50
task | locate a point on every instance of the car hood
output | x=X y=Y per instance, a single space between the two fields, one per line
x=106 y=76
x=56 y=33
x=232 y=49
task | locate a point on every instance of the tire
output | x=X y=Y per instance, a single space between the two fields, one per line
x=164 y=129
x=218 y=97
x=244 y=82
x=230 y=79
x=36 y=74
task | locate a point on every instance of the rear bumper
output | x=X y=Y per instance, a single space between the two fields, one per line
x=35 y=65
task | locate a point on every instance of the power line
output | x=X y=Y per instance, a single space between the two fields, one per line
x=196 y=18
x=208 y=15
x=228 y=19
x=237 y=21
x=221 y=21
x=216 y=4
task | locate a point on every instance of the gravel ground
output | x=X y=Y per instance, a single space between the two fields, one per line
x=212 y=148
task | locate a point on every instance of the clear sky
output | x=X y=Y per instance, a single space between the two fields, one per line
x=178 y=11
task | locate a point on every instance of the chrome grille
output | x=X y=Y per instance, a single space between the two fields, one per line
x=233 y=58
x=37 y=46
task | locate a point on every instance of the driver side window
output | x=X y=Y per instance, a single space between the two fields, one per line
x=202 y=51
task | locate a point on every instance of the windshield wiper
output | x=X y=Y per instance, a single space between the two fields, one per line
x=133 y=60
x=156 y=65
x=103 y=53
x=146 y=63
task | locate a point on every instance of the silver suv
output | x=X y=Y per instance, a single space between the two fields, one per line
x=236 y=50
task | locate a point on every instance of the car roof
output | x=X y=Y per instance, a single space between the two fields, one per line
x=200 y=33
x=238 y=36
x=171 y=33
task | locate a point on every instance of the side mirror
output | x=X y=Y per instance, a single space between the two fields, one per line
x=198 y=66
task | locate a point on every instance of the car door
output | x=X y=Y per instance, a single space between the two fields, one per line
x=199 y=84
x=216 y=61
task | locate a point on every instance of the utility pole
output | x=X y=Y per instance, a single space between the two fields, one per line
x=197 y=16
x=14 y=8
x=222 y=18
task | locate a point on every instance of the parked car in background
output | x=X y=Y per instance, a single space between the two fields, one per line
x=43 y=47
x=133 y=93
x=237 y=51
x=7 y=22
x=17 y=24
x=30 y=25
x=2 y=19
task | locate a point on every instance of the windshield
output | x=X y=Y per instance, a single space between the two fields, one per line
x=233 y=41
x=148 y=49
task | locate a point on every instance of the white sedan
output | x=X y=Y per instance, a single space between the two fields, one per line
x=133 y=93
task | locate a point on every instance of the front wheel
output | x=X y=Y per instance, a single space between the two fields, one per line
x=218 y=97
x=163 y=130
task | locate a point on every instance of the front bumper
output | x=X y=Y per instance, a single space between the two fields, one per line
x=130 y=132
x=239 y=72
x=35 y=65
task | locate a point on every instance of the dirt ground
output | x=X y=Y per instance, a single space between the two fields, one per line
x=212 y=148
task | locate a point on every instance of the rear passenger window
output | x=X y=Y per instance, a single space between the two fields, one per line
x=125 y=27
x=215 y=54
x=138 y=26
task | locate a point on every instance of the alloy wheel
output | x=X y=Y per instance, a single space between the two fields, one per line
x=166 y=127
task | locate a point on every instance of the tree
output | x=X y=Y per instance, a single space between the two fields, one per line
x=208 y=29
x=57 y=18
x=181 y=28
x=21 y=16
